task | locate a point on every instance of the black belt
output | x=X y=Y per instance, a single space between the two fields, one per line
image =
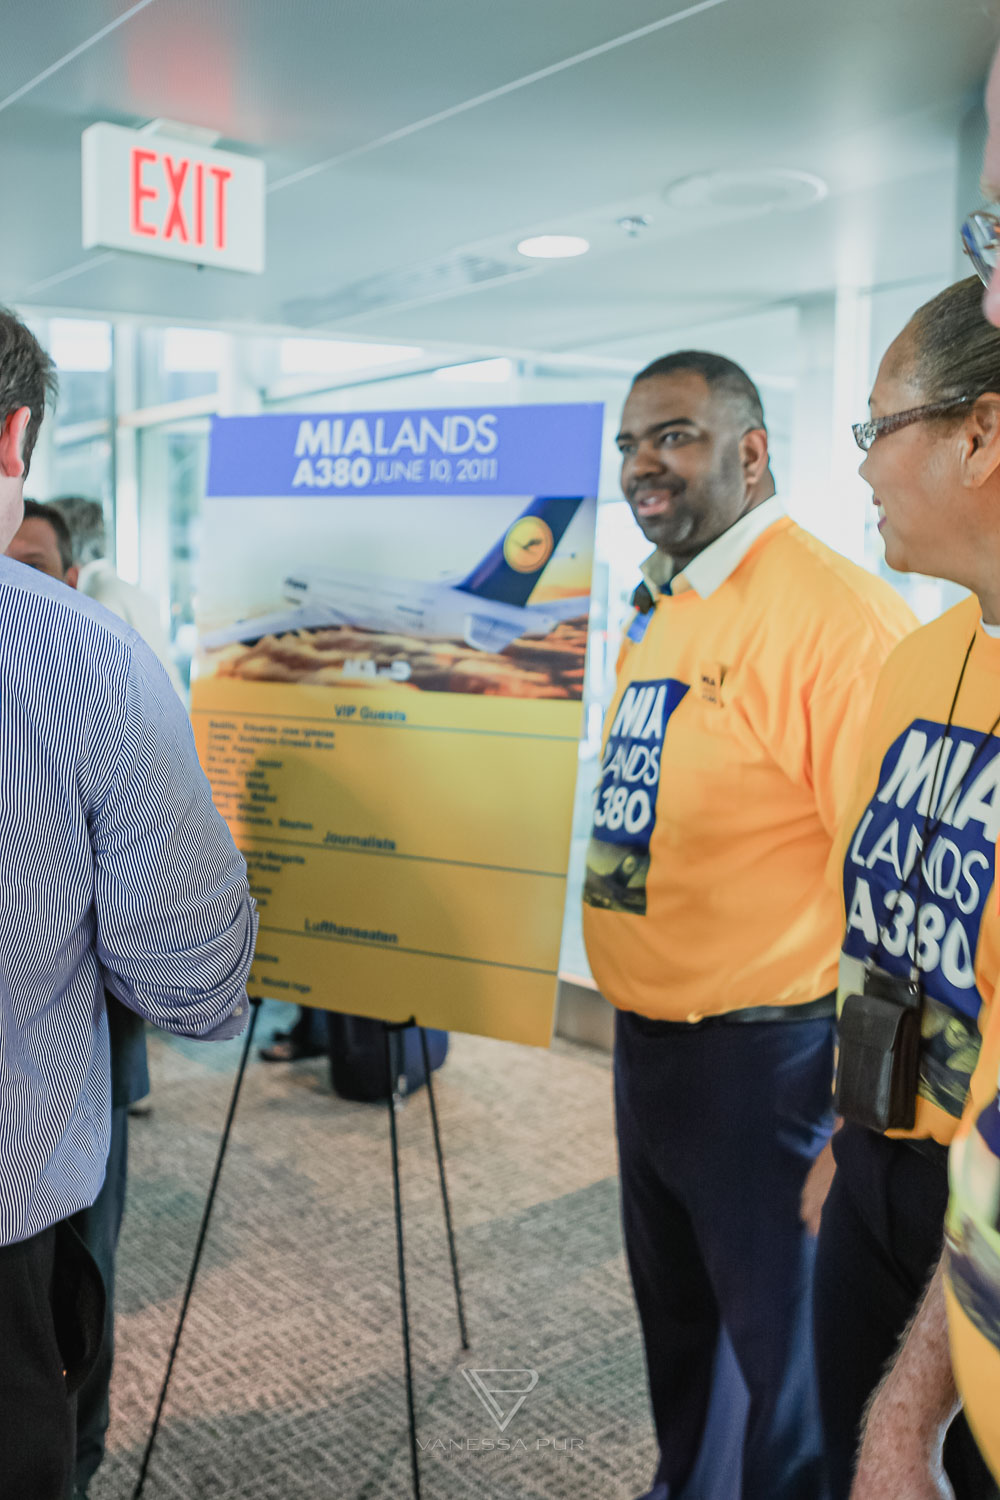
x=924 y=1146
x=812 y=1010
x=822 y=1009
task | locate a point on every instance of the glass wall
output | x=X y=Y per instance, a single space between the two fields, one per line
x=75 y=452
x=172 y=461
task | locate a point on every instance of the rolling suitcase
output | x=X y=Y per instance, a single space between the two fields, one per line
x=357 y=1057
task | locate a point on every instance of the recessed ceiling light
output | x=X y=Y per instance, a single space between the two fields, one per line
x=553 y=246
x=754 y=191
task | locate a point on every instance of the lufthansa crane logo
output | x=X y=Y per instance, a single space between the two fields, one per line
x=528 y=545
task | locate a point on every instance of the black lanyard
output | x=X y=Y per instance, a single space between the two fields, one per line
x=930 y=829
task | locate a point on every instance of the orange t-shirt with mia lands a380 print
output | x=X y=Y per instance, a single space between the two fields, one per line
x=730 y=750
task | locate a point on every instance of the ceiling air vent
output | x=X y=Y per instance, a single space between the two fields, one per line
x=748 y=191
x=432 y=282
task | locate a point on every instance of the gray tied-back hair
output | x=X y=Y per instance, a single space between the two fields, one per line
x=85 y=519
x=956 y=351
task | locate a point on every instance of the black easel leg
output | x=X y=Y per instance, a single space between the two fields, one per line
x=401 y=1258
x=203 y=1231
x=445 y=1199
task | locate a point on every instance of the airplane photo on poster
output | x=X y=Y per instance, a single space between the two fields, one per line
x=488 y=609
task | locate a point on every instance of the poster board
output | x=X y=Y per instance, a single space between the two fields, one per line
x=387 y=700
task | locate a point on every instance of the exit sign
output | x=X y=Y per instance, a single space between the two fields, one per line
x=147 y=192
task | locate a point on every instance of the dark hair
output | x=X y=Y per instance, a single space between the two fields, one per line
x=35 y=512
x=721 y=375
x=956 y=352
x=27 y=376
x=85 y=519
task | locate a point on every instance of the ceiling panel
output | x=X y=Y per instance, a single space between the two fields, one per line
x=302 y=81
x=869 y=101
x=878 y=235
x=37 y=36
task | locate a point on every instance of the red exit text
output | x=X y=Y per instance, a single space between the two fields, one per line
x=175 y=198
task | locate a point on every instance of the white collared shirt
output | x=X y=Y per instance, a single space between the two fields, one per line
x=98 y=580
x=714 y=563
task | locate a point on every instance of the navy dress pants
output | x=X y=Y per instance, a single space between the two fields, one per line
x=880 y=1239
x=718 y=1125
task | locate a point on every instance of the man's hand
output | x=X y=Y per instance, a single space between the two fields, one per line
x=901 y=1449
x=817 y=1186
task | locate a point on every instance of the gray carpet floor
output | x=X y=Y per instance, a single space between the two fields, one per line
x=289 y=1381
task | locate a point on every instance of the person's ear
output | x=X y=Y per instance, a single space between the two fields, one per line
x=753 y=455
x=980 y=442
x=12 y=431
x=72 y=574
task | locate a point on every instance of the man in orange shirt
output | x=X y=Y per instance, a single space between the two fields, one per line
x=743 y=686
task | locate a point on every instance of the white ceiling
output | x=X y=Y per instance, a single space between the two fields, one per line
x=402 y=134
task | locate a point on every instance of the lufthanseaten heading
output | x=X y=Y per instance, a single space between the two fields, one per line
x=487 y=609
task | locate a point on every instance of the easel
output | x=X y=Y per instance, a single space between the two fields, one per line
x=391 y=1031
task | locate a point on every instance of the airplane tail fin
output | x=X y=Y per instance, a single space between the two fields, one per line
x=513 y=565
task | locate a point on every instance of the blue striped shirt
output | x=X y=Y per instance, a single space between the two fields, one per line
x=115 y=869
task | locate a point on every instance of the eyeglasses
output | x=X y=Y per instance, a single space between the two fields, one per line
x=981 y=241
x=865 y=433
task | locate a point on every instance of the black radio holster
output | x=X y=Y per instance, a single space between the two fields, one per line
x=878 y=1064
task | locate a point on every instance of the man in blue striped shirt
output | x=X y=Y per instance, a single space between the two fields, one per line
x=115 y=871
